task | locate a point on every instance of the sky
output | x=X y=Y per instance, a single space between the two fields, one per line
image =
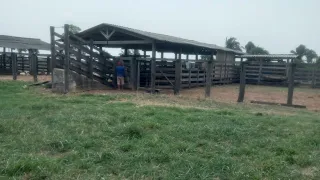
x=276 y=25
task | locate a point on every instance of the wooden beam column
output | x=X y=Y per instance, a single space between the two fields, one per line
x=34 y=65
x=14 y=66
x=22 y=63
x=90 y=67
x=260 y=70
x=138 y=74
x=153 y=68
x=133 y=73
x=4 y=58
x=53 y=51
x=177 y=81
x=67 y=58
x=209 y=77
x=48 y=65
x=242 y=87
x=291 y=83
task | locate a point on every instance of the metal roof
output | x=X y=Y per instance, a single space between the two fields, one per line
x=23 y=43
x=160 y=37
x=270 y=56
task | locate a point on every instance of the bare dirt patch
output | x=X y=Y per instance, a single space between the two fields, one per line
x=28 y=78
x=229 y=94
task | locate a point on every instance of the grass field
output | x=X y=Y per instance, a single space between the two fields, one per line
x=84 y=136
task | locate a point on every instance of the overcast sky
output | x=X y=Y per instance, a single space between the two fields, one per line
x=277 y=25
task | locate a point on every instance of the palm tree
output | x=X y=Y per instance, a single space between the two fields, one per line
x=232 y=43
x=251 y=48
x=300 y=51
x=311 y=55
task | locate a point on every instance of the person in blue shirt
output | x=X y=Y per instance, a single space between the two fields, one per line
x=120 y=74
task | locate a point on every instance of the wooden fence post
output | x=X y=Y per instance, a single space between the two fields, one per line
x=90 y=67
x=53 y=51
x=177 y=78
x=114 y=77
x=313 y=76
x=242 y=87
x=209 y=77
x=22 y=63
x=4 y=58
x=67 y=58
x=260 y=71
x=48 y=65
x=133 y=73
x=189 y=77
x=34 y=65
x=14 y=65
x=138 y=74
x=291 y=83
x=153 y=68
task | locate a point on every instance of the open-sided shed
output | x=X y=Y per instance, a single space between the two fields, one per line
x=150 y=72
x=22 y=62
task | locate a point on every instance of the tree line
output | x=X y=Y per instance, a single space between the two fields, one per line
x=304 y=54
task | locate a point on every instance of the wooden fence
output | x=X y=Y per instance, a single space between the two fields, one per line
x=307 y=74
x=24 y=63
x=87 y=60
x=276 y=73
x=193 y=75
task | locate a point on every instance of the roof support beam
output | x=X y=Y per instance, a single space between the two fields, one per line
x=121 y=42
x=108 y=36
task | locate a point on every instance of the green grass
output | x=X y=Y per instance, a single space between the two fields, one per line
x=86 y=136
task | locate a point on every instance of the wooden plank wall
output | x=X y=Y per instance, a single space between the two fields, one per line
x=85 y=60
x=225 y=70
x=191 y=76
x=263 y=72
x=307 y=74
x=258 y=72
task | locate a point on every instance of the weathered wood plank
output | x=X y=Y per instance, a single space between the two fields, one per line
x=66 y=58
x=209 y=77
x=53 y=50
x=177 y=83
x=291 y=84
x=153 y=68
x=14 y=66
x=242 y=87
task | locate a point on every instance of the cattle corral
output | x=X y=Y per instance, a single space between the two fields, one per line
x=84 y=54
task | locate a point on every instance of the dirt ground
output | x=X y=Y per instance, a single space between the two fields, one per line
x=227 y=93
x=41 y=78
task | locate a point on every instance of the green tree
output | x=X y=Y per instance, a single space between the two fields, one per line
x=310 y=55
x=300 y=51
x=232 y=43
x=251 y=48
x=74 y=29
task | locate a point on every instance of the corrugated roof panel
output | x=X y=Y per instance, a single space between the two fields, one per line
x=165 y=38
x=271 y=56
x=23 y=43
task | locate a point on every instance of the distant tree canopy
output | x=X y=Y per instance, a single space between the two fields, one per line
x=303 y=52
x=74 y=29
x=251 y=48
x=232 y=43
